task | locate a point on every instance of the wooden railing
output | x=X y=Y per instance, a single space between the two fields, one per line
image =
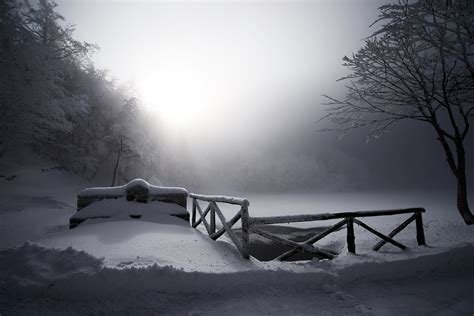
x=348 y=220
x=255 y=224
x=242 y=244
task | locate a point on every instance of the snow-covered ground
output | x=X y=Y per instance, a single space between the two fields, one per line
x=165 y=241
x=37 y=202
x=36 y=280
x=159 y=265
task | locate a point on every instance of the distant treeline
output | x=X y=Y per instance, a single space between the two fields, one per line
x=54 y=101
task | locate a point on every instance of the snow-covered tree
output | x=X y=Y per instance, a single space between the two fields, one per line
x=418 y=66
x=53 y=100
x=37 y=54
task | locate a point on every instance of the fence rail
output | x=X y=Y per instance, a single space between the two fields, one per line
x=255 y=225
x=242 y=244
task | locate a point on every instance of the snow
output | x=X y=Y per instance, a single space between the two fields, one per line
x=37 y=202
x=32 y=265
x=35 y=279
x=157 y=264
x=221 y=198
x=121 y=190
x=168 y=241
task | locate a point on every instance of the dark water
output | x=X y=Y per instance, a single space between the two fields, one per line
x=268 y=250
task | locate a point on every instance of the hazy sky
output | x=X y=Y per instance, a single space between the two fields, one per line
x=221 y=62
x=240 y=83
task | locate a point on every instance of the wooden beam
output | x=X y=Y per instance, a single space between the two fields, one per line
x=245 y=232
x=221 y=231
x=395 y=231
x=227 y=228
x=380 y=235
x=328 y=216
x=213 y=221
x=420 y=233
x=203 y=217
x=220 y=198
x=350 y=235
x=193 y=214
x=301 y=247
x=312 y=240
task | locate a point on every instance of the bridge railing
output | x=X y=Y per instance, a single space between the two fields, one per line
x=255 y=225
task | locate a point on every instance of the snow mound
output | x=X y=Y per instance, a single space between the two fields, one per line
x=122 y=190
x=158 y=239
x=34 y=265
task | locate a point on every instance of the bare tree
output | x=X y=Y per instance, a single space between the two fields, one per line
x=122 y=137
x=418 y=66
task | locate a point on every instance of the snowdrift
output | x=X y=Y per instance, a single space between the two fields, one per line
x=153 y=239
x=34 y=279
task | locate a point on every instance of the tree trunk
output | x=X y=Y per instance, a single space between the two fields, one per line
x=462 y=201
x=459 y=171
x=117 y=162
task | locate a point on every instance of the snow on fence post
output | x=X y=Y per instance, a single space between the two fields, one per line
x=244 y=213
x=350 y=235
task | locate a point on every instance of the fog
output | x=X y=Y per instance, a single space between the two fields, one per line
x=233 y=91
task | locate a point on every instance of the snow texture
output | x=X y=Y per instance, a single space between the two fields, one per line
x=121 y=190
x=157 y=264
x=38 y=280
x=158 y=239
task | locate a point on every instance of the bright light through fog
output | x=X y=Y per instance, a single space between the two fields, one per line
x=179 y=94
x=214 y=70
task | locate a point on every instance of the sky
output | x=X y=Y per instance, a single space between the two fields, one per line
x=239 y=86
x=218 y=62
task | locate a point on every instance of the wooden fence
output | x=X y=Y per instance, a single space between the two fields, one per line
x=255 y=224
x=242 y=244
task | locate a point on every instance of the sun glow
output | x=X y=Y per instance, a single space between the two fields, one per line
x=178 y=95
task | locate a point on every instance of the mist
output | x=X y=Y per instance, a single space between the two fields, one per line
x=234 y=92
x=236 y=157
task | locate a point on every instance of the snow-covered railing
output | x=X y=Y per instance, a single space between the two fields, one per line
x=242 y=244
x=254 y=225
x=349 y=219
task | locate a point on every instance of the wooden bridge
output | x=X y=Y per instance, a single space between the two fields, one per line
x=255 y=224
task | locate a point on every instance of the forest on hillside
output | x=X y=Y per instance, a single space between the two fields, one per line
x=55 y=102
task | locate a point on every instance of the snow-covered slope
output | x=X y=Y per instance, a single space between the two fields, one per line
x=38 y=201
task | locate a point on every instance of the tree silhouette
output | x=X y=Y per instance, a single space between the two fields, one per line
x=417 y=66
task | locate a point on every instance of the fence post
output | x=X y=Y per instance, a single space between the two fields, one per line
x=193 y=214
x=213 y=220
x=244 y=211
x=420 y=233
x=350 y=235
